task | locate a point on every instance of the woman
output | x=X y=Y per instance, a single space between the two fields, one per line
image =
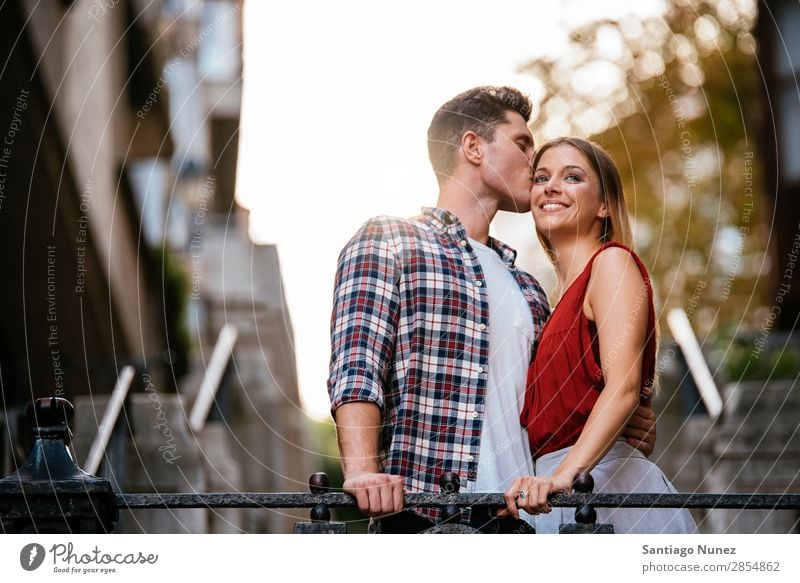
x=596 y=355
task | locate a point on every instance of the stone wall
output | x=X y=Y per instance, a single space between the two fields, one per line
x=754 y=446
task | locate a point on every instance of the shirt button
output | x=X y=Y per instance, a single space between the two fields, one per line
x=482 y=327
x=479 y=283
x=480 y=369
x=471 y=458
x=463 y=243
x=475 y=414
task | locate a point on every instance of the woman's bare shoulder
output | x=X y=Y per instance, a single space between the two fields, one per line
x=616 y=265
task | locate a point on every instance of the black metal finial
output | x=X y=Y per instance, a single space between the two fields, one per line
x=50 y=459
x=318 y=483
x=320 y=523
x=584 y=483
x=58 y=495
x=50 y=417
x=450 y=483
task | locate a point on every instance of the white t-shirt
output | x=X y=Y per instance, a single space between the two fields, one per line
x=504 y=451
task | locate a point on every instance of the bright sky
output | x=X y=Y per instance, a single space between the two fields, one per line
x=337 y=100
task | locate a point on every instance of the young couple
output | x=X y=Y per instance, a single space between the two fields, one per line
x=446 y=358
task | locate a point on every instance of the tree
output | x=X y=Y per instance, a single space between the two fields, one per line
x=675 y=99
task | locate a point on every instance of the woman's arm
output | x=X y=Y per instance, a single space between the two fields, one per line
x=618 y=302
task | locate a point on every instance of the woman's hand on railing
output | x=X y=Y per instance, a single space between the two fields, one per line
x=529 y=493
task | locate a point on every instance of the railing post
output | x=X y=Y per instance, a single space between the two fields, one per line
x=585 y=515
x=49 y=493
x=450 y=483
x=320 y=514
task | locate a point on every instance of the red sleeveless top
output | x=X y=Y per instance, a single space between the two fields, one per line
x=565 y=377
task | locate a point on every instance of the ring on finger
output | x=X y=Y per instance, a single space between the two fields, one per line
x=522 y=495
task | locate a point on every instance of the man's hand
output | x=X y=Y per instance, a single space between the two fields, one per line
x=377 y=494
x=640 y=432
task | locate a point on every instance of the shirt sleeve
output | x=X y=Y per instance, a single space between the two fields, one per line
x=364 y=320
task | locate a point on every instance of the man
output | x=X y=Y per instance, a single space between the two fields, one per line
x=433 y=326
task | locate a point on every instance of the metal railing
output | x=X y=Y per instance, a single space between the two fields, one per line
x=110 y=420
x=49 y=493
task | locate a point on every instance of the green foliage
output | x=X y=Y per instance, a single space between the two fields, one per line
x=174 y=285
x=675 y=98
x=747 y=360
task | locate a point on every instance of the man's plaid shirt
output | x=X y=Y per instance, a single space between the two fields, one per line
x=409 y=332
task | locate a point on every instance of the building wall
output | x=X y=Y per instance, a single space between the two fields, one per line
x=96 y=103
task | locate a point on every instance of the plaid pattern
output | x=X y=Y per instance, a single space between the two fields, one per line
x=409 y=332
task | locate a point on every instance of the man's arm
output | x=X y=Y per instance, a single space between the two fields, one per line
x=363 y=334
x=358 y=426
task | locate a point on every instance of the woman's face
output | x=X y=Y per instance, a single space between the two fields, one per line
x=566 y=197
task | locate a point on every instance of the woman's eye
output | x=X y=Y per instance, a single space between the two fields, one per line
x=540 y=178
x=572 y=178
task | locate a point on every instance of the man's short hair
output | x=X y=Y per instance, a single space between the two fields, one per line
x=479 y=110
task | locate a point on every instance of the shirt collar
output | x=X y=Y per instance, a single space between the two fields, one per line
x=440 y=218
x=446 y=221
x=507 y=254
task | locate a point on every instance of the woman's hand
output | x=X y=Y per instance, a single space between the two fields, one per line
x=530 y=494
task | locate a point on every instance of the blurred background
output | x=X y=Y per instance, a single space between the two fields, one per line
x=177 y=178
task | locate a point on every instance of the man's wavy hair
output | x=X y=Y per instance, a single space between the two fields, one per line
x=479 y=110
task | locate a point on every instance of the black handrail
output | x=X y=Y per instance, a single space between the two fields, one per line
x=50 y=493
x=133 y=501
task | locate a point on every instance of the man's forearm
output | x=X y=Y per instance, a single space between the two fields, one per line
x=358 y=427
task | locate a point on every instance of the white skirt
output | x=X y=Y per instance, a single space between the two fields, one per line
x=623 y=470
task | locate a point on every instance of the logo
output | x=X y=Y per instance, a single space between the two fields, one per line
x=31 y=556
